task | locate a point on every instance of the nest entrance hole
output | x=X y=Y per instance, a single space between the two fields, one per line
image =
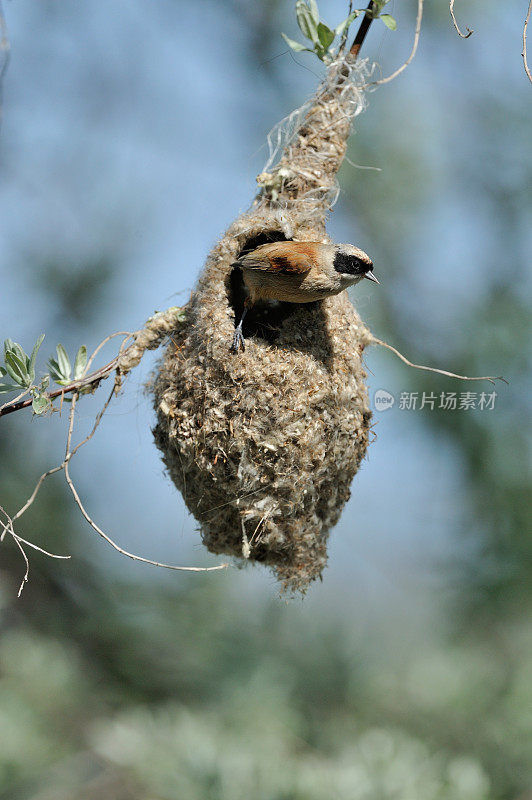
x=263 y=319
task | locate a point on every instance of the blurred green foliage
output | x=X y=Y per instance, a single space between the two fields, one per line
x=71 y=289
x=186 y=694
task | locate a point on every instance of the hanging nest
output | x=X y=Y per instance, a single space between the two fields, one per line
x=264 y=445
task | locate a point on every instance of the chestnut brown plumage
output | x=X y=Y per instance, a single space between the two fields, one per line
x=299 y=272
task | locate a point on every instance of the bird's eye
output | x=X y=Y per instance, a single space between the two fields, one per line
x=350 y=265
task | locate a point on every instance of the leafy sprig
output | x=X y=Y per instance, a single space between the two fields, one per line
x=19 y=367
x=61 y=368
x=321 y=36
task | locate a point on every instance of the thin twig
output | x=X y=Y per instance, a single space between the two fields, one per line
x=40 y=549
x=97 y=421
x=19 y=541
x=61 y=466
x=33 y=495
x=127 y=336
x=455 y=23
x=15 y=400
x=27 y=563
x=412 y=53
x=8 y=527
x=525 y=60
x=343 y=40
x=99 y=531
x=490 y=378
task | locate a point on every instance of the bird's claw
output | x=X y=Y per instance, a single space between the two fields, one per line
x=238 y=342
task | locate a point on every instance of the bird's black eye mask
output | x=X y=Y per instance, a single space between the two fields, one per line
x=349 y=265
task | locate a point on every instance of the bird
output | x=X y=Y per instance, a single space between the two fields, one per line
x=299 y=272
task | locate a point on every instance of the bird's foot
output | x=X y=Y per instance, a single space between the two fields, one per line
x=238 y=341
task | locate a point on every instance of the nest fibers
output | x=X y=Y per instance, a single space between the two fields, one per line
x=263 y=445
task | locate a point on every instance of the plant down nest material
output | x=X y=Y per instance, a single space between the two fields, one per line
x=264 y=445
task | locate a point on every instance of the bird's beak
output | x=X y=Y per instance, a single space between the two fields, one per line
x=371 y=277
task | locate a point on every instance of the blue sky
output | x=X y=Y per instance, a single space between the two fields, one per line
x=139 y=128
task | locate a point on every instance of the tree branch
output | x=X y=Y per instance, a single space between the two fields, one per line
x=458 y=31
x=362 y=31
x=89 y=381
x=147 y=338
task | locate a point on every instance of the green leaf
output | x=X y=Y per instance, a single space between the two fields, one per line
x=346 y=23
x=14 y=358
x=13 y=375
x=57 y=374
x=13 y=347
x=295 y=45
x=80 y=362
x=63 y=360
x=53 y=366
x=320 y=51
x=17 y=369
x=39 y=404
x=305 y=21
x=2 y=372
x=33 y=358
x=389 y=21
x=313 y=8
x=19 y=352
x=8 y=387
x=325 y=35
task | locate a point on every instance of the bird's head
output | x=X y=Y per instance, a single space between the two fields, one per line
x=353 y=262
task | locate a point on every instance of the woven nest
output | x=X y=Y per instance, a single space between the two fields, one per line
x=264 y=445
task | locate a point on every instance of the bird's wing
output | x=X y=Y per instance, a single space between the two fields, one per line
x=284 y=258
